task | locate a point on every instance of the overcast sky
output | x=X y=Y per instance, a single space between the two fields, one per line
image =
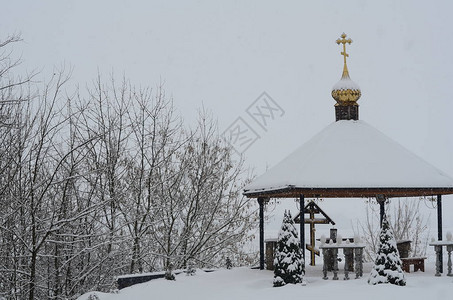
x=224 y=54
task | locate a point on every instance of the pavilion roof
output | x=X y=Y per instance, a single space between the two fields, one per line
x=350 y=158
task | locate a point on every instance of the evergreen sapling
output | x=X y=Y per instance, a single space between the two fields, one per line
x=288 y=261
x=228 y=263
x=387 y=266
x=190 y=271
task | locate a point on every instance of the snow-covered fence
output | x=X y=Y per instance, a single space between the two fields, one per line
x=125 y=281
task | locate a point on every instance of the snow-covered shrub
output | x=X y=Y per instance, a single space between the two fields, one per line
x=288 y=261
x=93 y=297
x=387 y=266
x=169 y=274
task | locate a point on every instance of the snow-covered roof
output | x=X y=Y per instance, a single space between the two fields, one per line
x=351 y=154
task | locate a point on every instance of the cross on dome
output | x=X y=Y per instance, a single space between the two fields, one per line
x=346 y=92
x=344 y=41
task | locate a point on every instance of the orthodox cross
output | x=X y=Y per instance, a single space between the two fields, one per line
x=317 y=216
x=343 y=41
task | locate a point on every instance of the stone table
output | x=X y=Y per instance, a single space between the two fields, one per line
x=351 y=251
x=438 y=248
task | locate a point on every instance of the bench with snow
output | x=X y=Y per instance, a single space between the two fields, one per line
x=417 y=262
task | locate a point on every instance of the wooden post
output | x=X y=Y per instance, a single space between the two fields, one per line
x=439 y=230
x=335 y=263
x=438 y=250
x=312 y=240
x=302 y=226
x=382 y=211
x=261 y=204
x=449 y=264
x=381 y=200
x=348 y=256
x=324 y=266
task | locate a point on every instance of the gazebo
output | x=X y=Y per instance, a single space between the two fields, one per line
x=349 y=159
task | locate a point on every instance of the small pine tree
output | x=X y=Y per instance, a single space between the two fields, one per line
x=228 y=263
x=387 y=266
x=190 y=271
x=288 y=261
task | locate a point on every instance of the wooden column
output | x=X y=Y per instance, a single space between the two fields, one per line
x=382 y=211
x=261 y=204
x=381 y=200
x=302 y=225
x=439 y=230
x=312 y=240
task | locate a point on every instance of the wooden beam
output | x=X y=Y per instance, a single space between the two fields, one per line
x=389 y=192
x=261 y=204
x=314 y=207
x=310 y=248
x=317 y=221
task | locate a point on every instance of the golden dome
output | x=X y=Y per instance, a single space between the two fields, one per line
x=345 y=91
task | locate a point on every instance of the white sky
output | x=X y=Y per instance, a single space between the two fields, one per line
x=224 y=54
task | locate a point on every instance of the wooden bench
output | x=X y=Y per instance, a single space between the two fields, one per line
x=418 y=262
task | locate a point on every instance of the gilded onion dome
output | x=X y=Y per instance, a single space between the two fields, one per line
x=346 y=92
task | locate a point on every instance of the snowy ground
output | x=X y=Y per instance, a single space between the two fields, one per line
x=245 y=283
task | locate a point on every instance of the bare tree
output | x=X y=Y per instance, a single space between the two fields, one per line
x=406 y=222
x=105 y=115
x=156 y=137
x=108 y=182
x=14 y=93
x=203 y=213
x=369 y=230
x=13 y=88
x=38 y=189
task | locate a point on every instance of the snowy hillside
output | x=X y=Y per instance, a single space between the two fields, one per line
x=244 y=283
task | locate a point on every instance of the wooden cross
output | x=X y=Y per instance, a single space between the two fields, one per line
x=313 y=209
x=343 y=41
